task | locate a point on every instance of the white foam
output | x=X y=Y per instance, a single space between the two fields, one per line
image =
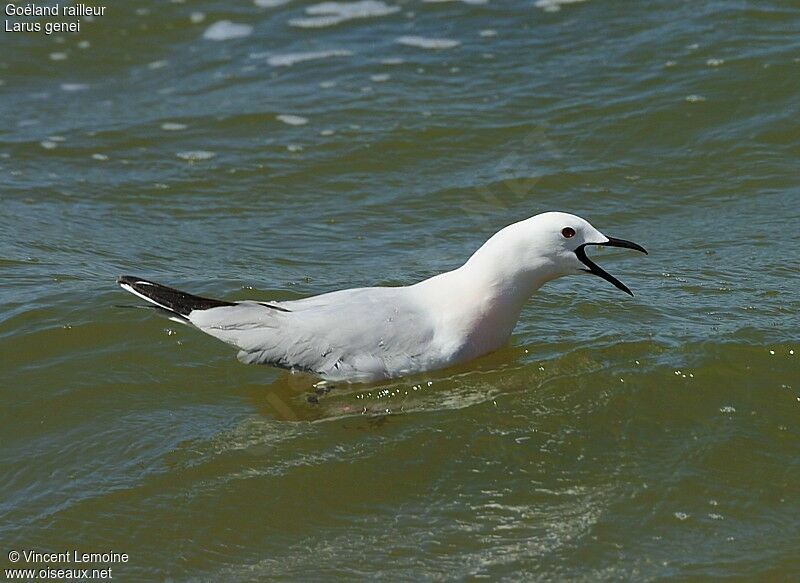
x=293 y=58
x=380 y=78
x=227 y=30
x=393 y=61
x=196 y=155
x=464 y=1
x=48 y=145
x=292 y=120
x=101 y=157
x=170 y=126
x=333 y=13
x=554 y=5
x=695 y=98
x=488 y=33
x=58 y=56
x=715 y=62
x=197 y=17
x=427 y=43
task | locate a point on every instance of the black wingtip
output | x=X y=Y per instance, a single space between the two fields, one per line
x=168 y=298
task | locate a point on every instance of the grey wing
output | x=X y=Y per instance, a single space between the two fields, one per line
x=364 y=333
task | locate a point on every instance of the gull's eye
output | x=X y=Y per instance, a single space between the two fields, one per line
x=568 y=232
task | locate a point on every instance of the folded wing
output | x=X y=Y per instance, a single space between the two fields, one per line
x=352 y=334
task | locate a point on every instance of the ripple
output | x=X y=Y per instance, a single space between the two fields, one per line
x=173 y=127
x=476 y=2
x=292 y=120
x=72 y=87
x=333 y=13
x=270 y=3
x=422 y=42
x=554 y=5
x=681 y=516
x=195 y=155
x=290 y=59
x=227 y=30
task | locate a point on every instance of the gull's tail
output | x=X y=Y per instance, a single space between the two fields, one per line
x=176 y=303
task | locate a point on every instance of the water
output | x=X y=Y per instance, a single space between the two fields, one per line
x=279 y=149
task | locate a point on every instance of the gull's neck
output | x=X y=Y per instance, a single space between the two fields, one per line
x=482 y=300
x=507 y=266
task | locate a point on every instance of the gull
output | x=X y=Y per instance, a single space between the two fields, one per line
x=370 y=334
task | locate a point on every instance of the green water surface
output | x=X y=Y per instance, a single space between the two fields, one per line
x=615 y=438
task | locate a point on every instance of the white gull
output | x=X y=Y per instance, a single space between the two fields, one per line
x=374 y=333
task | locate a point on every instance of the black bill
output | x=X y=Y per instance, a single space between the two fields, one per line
x=592 y=267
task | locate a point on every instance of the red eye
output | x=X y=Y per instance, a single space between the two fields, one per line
x=568 y=232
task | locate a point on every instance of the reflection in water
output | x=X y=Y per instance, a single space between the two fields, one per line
x=302 y=397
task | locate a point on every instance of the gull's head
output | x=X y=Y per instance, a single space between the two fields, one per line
x=557 y=242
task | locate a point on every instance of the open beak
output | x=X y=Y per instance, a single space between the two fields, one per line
x=592 y=267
